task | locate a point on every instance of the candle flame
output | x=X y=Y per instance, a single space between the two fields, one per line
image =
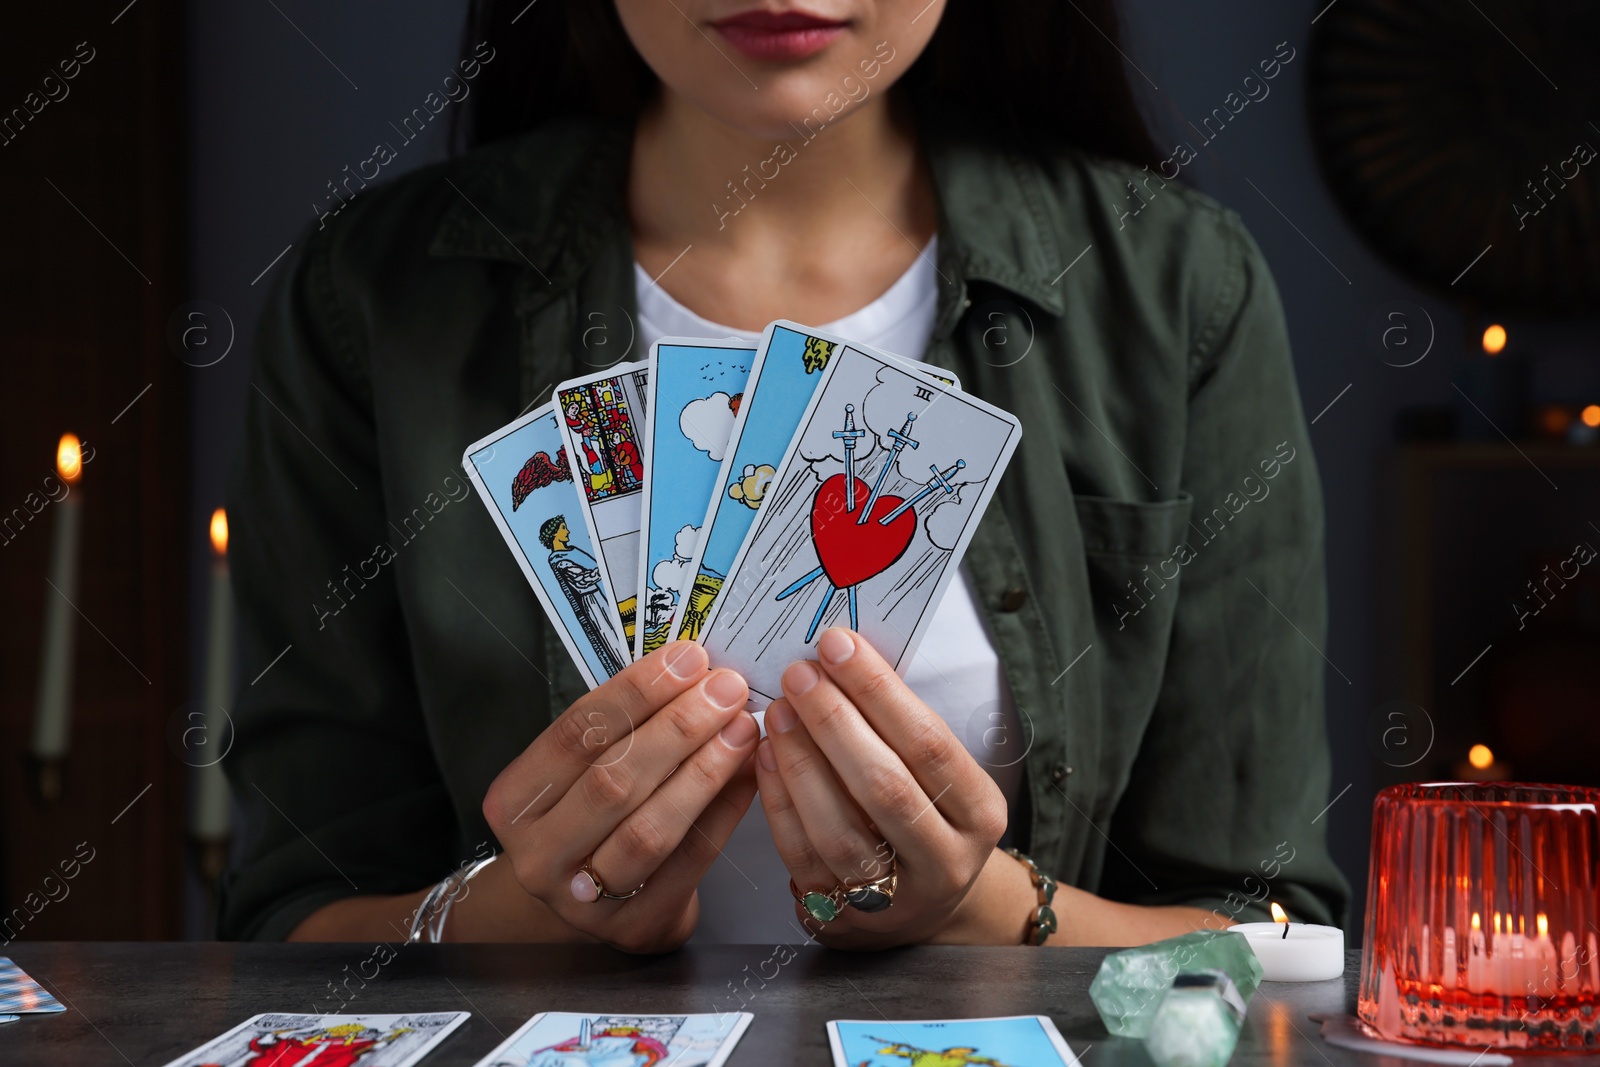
x=1480 y=756
x=219 y=532
x=1494 y=339
x=69 y=458
x=1278 y=914
x=1497 y=923
x=1477 y=923
x=1544 y=924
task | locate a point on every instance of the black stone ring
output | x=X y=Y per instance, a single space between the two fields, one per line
x=877 y=895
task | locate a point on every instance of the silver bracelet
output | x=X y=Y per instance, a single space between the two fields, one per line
x=435 y=907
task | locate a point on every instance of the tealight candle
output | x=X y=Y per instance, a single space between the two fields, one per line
x=1294 y=952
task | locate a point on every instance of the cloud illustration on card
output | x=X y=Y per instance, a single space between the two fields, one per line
x=708 y=423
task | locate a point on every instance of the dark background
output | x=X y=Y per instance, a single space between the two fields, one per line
x=223 y=121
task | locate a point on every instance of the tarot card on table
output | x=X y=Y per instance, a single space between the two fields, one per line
x=570 y=1039
x=603 y=417
x=336 y=1040
x=788 y=368
x=521 y=474
x=865 y=520
x=1017 y=1041
x=20 y=993
x=695 y=389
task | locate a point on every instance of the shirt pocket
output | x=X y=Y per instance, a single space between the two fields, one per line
x=1133 y=557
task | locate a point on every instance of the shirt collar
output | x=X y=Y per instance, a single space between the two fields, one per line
x=531 y=199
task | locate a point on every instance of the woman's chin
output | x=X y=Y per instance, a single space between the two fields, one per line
x=791 y=113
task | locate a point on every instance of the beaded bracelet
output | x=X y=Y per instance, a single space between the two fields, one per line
x=1042 y=919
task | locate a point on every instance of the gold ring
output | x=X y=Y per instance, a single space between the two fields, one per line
x=587 y=872
x=823 y=905
x=876 y=895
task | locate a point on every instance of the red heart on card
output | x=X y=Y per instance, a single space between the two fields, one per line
x=851 y=553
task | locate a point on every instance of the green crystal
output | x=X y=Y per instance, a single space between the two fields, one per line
x=1197 y=1024
x=820 y=906
x=1132 y=983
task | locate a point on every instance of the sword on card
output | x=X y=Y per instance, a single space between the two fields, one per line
x=849 y=435
x=902 y=441
x=940 y=480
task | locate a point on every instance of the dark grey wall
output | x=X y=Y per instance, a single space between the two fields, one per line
x=284 y=94
x=280 y=107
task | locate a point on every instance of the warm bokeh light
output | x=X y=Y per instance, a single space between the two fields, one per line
x=1477 y=923
x=1591 y=415
x=1544 y=924
x=1494 y=339
x=1480 y=756
x=219 y=532
x=1555 y=419
x=1278 y=914
x=69 y=458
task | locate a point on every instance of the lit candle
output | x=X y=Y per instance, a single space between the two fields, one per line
x=53 y=712
x=1521 y=965
x=210 y=816
x=1567 y=965
x=1500 y=953
x=1545 y=963
x=1294 y=952
x=1475 y=960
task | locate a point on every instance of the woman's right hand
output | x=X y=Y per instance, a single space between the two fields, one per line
x=598 y=786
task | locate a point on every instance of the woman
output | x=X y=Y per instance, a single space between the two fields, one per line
x=1124 y=685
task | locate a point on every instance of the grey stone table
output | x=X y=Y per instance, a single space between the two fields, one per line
x=145 y=1003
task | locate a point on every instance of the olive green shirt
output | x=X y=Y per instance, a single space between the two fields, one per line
x=1151 y=568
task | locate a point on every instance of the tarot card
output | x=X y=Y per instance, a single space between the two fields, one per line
x=368 y=1040
x=570 y=1039
x=696 y=387
x=20 y=993
x=865 y=520
x=788 y=367
x=603 y=416
x=521 y=474
x=1015 y=1041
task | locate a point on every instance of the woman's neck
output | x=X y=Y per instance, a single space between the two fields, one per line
x=744 y=229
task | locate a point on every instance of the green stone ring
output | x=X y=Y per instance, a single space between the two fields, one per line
x=822 y=905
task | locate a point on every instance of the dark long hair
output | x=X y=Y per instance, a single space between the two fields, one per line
x=1020 y=74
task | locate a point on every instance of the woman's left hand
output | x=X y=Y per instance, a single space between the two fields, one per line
x=859 y=776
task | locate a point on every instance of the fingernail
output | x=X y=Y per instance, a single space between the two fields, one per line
x=768 y=758
x=684 y=660
x=725 y=689
x=740 y=732
x=780 y=718
x=799 y=677
x=836 y=646
x=584 y=889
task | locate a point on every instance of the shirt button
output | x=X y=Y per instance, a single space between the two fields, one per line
x=1013 y=599
x=1059 y=774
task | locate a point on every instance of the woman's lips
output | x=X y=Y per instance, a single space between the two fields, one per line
x=779 y=36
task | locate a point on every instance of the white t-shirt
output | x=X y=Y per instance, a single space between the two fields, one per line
x=745 y=896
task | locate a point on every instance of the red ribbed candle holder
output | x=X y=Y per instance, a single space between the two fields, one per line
x=1482 y=921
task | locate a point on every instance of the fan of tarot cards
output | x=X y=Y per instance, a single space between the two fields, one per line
x=746 y=498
